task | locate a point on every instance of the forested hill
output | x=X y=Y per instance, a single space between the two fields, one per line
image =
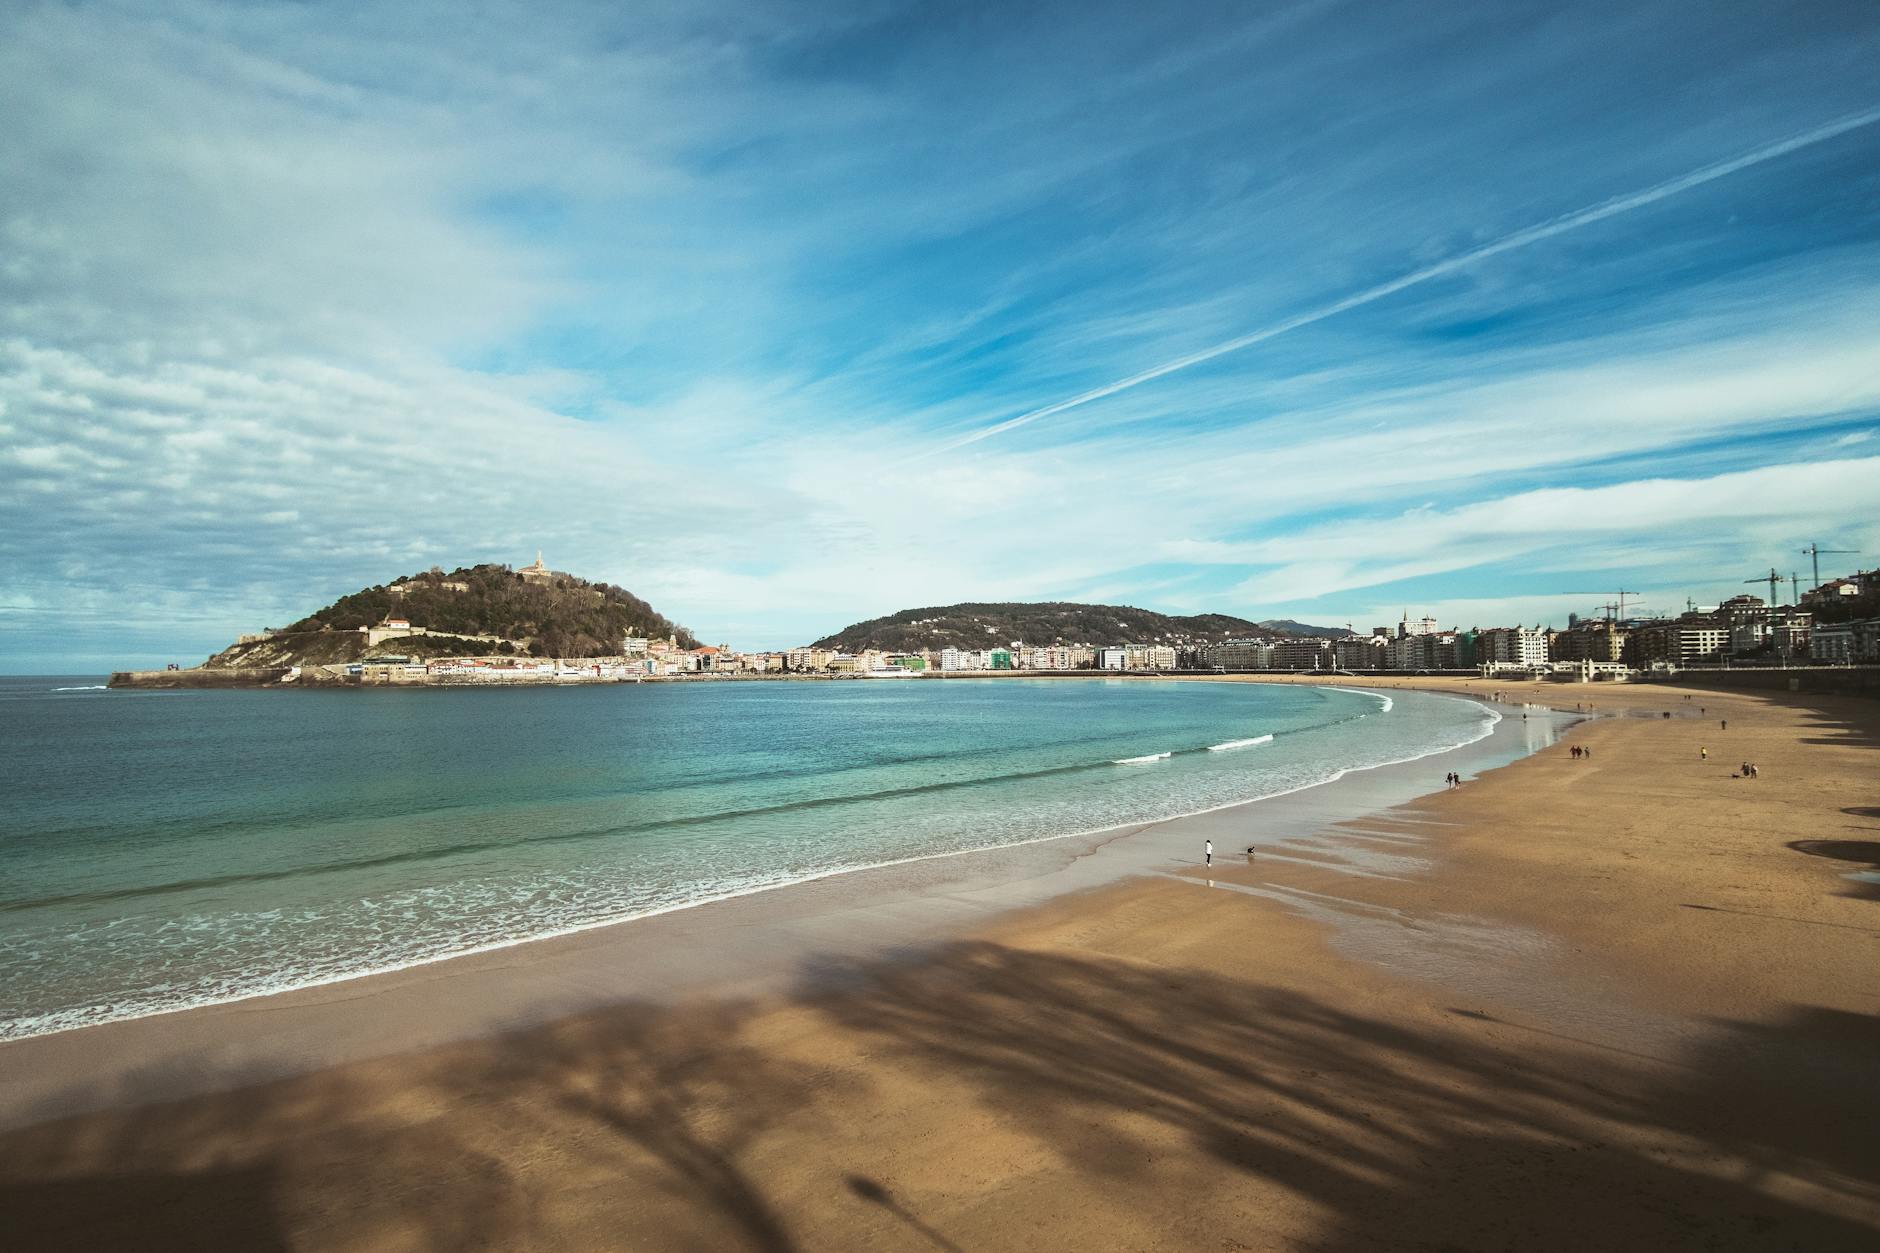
x=548 y=615
x=1056 y=622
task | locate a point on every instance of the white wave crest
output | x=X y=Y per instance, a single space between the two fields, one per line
x=1258 y=739
x=1360 y=691
x=1137 y=761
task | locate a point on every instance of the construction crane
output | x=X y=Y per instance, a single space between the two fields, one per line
x=1774 y=580
x=1622 y=595
x=1815 y=551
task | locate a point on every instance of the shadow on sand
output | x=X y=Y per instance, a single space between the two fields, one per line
x=651 y=1128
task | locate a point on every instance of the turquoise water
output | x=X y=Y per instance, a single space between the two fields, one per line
x=166 y=849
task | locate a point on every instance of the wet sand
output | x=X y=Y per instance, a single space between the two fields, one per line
x=1621 y=1002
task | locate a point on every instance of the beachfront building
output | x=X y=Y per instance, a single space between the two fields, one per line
x=1791 y=633
x=1694 y=639
x=1847 y=643
x=1239 y=655
x=1112 y=658
x=1416 y=626
x=1301 y=655
x=1415 y=650
x=1448 y=649
x=1360 y=652
x=1746 y=618
x=1514 y=646
x=1595 y=640
x=956 y=659
x=1055 y=657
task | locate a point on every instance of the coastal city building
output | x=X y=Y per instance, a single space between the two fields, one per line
x=1521 y=647
x=1853 y=642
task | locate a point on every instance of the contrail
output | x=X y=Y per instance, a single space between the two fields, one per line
x=1507 y=243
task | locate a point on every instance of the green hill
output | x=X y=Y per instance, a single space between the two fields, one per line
x=976 y=625
x=473 y=609
x=1303 y=630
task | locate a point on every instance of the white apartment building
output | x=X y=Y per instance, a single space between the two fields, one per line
x=1683 y=643
x=1112 y=658
x=1149 y=657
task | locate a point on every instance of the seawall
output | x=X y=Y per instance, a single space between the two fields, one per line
x=202 y=676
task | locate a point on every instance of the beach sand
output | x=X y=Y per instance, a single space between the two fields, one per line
x=1620 y=1002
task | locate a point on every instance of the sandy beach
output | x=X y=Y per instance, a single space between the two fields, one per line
x=1619 y=1001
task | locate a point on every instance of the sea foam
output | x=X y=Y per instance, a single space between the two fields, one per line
x=1258 y=739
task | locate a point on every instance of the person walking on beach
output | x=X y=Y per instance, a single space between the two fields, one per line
x=1723 y=724
x=1703 y=754
x=1207 y=851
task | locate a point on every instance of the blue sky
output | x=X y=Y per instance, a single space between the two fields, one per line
x=788 y=315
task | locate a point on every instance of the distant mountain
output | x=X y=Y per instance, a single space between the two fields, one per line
x=976 y=625
x=1304 y=630
x=473 y=609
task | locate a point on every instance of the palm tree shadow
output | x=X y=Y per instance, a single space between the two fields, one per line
x=1402 y=1133
x=652 y=1112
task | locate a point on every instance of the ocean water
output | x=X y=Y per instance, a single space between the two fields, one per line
x=162 y=849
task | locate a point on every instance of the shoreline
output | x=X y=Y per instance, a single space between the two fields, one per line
x=996 y=875
x=1628 y=991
